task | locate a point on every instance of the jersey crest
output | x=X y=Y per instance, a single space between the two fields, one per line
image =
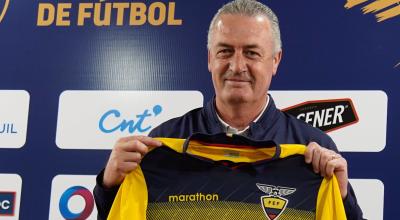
x=274 y=203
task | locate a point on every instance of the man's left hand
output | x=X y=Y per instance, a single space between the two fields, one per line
x=328 y=162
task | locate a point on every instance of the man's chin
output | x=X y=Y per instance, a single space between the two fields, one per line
x=237 y=98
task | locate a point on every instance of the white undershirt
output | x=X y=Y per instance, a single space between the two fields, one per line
x=231 y=130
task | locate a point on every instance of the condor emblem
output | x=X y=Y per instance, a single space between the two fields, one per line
x=327 y=115
x=273 y=203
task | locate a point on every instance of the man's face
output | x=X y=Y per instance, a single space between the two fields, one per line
x=241 y=58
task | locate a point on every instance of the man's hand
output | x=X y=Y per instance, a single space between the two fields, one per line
x=125 y=157
x=327 y=162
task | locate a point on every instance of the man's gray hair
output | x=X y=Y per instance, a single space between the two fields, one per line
x=250 y=8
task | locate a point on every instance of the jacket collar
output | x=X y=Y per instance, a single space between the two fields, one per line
x=266 y=120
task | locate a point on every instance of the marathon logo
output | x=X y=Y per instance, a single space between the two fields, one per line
x=327 y=115
x=7 y=203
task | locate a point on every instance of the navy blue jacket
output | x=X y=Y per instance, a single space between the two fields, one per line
x=272 y=125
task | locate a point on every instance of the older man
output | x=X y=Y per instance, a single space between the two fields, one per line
x=244 y=52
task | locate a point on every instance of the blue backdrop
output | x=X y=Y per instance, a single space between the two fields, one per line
x=326 y=47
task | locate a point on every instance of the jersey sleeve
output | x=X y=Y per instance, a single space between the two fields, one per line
x=131 y=199
x=329 y=202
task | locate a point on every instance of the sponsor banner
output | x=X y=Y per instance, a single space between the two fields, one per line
x=347 y=116
x=370 y=197
x=96 y=119
x=72 y=198
x=10 y=196
x=14 y=110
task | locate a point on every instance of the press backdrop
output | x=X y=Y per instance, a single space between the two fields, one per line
x=76 y=75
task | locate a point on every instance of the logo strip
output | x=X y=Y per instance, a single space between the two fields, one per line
x=327 y=115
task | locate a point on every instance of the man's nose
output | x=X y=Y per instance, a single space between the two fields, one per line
x=238 y=63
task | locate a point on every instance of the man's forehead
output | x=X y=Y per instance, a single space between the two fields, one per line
x=228 y=23
x=235 y=30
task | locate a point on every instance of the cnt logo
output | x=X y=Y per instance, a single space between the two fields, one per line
x=7 y=203
x=4 y=10
x=109 y=121
x=327 y=115
x=65 y=198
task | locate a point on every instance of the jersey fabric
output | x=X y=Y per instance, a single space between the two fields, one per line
x=272 y=125
x=220 y=177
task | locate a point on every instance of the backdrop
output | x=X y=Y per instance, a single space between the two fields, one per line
x=76 y=75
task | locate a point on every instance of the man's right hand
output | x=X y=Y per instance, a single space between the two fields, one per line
x=125 y=157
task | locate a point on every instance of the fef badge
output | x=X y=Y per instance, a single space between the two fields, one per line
x=273 y=203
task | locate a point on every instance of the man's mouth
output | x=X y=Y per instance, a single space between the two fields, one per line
x=237 y=80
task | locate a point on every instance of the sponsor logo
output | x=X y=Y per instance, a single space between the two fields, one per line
x=10 y=196
x=274 y=203
x=7 y=128
x=7 y=203
x=107 y=13
x=197 y=197
x=383 y=9
x=347 y=115
x=14 y=112
x=105 y=116
x=131 y=125
x=76 y=191
x=3 y=9
x=327 y=115
x=71 y=197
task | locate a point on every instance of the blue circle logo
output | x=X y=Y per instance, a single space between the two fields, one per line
x=66 y=196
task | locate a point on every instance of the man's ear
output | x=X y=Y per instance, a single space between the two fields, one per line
x=275 y=62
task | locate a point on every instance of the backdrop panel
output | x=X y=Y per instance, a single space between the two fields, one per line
x=94 y=68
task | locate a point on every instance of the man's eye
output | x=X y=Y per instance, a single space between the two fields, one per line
x=251 y=53
x=224 y=51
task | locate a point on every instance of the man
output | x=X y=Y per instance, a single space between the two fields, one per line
x=244 y=51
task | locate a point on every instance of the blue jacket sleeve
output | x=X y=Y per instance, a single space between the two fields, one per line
x=353 y=211
x=104 y=197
